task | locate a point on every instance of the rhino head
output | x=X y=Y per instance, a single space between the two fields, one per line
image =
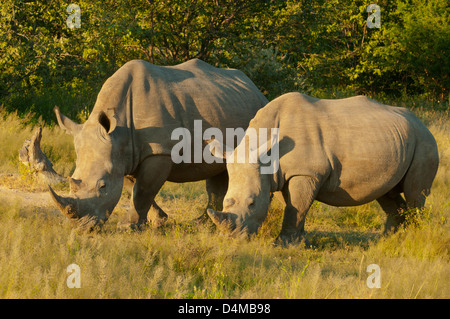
x=96 y=184
x=246 y=202
x=248 y=196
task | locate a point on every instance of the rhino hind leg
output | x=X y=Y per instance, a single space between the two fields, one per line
x=393 y=205
x=416 y=184
x=419 y=178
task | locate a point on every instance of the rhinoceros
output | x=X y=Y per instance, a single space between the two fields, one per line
x=342 y=152
x=128 y=133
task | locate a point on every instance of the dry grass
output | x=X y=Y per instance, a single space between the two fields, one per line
x=182 y=260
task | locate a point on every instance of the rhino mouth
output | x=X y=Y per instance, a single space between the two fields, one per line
x=228 y=222
x=89 y=223
x=232 y=223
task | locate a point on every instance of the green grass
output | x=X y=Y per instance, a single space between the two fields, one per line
x=184 y=260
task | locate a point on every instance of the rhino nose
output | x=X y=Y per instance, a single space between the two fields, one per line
x=229 y=202
x=74 y=184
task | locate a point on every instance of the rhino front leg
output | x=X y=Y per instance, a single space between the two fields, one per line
x=150 y=176
x=216 y=187
x=299 y=194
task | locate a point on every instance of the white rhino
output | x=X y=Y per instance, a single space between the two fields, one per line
x=129 y=131
x=342 y=152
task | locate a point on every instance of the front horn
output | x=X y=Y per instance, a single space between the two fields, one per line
x=67 y=205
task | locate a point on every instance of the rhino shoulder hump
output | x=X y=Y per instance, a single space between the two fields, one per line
x=194 y=64
x=133 y=64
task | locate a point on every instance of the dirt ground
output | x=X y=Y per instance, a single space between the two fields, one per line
x=27 y=199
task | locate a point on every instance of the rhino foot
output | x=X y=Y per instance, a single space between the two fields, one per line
x=156 y=216
x=283 y=240
x=131 y=227
x=153 y=222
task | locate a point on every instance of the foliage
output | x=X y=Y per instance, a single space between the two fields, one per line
x=316 y=46
x=410 y=53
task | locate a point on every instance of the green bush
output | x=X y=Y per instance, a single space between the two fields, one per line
x=317 y=47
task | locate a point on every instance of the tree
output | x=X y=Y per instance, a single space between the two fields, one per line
x=409 y=55
x=314 y=46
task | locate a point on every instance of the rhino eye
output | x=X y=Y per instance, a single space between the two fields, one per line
x=101 y=184
x=250 y=202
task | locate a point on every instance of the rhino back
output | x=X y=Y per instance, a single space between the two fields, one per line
x=359 y=149
x=164 y=98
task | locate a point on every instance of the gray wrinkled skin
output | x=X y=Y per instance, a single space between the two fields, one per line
x=343 y=152
x=129 y=134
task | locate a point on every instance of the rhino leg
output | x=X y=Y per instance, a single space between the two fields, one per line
x=156 y=216
x=299 y=194
x=216 y=187
x=151 y=175
x=393 y=205
x=419 y=178
x=132 y=220
x=415 y=185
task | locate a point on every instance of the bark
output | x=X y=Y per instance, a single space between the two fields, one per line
x=32 y=156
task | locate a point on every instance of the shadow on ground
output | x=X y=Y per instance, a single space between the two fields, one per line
x=341 y=239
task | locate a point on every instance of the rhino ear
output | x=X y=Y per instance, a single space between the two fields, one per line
x=218 y=149
x=69 y=126
x=108 y=120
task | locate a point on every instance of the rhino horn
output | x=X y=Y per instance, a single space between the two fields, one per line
x=67 y=205
x=69 y=126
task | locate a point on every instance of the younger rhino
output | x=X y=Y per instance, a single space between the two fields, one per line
x=344 y=152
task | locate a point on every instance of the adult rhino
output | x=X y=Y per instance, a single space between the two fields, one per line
x=342 y=152
x=129 y=131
